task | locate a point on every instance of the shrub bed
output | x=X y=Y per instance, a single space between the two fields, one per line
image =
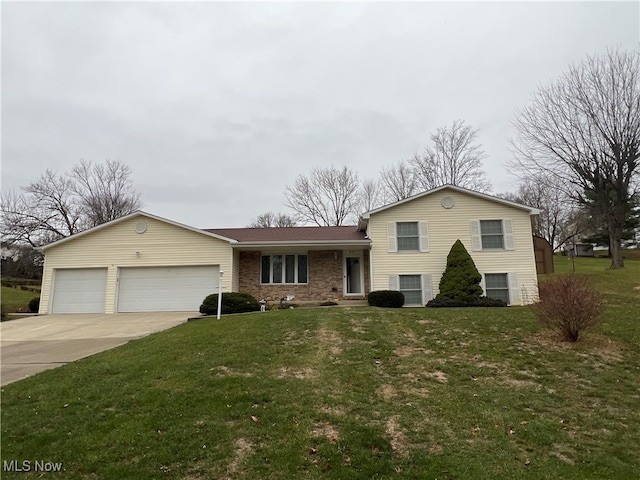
x=34 y=305
x=386 y=299
x=232 y=302
x=477 y=302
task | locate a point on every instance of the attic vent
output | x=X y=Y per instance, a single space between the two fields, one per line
x=141 y=227
x=448 y=202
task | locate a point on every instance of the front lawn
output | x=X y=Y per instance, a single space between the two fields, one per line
x=346 y=393
x=17 y=299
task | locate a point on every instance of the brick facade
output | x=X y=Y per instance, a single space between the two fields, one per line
x=325 y=277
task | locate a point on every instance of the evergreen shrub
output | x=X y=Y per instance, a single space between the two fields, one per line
x=386 y=299
x=232 y=302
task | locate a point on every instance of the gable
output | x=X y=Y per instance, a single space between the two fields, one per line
x=121 y=239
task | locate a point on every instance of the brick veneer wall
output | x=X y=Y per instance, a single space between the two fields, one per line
x=325 y=277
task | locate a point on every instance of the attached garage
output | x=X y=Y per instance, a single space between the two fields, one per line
x=137 y=263
x=166 y=289
x=79 y=290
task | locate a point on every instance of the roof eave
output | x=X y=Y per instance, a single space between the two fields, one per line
x=304 y=243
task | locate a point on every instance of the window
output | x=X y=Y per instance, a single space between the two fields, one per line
x=497 y=286
x=283 y=269
x=492 y=235
x=408 y=236
x=411 y=286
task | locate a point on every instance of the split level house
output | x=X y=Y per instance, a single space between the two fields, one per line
x=142 y=262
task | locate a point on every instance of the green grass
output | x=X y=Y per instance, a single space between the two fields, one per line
x=14 y=299
x=355 y=393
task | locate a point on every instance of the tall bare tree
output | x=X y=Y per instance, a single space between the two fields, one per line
x=328 y=197
x=556 y=221
x=398 y=181
x=56 y=206
x=584 y=129
x=371 y=195
x=270 y=219
x=453 y=158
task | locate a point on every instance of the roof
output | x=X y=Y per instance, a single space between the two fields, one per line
x=280 y=235
x=531 y=210
x=137 y=213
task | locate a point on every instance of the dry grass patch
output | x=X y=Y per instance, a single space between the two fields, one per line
x=300 y=374
x=242 y=450
x=398 y=439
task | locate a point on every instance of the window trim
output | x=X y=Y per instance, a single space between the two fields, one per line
x=283 y=279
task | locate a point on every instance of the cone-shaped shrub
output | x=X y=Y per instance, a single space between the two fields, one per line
x=461 y=279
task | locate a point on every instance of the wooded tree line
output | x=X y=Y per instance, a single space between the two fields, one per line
x=576 y=152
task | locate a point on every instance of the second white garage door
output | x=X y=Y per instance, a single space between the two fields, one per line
x=166 y=289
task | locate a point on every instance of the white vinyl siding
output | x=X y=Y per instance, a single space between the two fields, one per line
x=445 y=226
x=79 y=290
x=119 y=246
x=166 y=289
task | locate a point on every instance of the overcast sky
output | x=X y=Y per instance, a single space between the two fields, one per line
x=217 y=107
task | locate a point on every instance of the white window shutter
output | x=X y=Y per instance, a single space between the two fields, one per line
x=514 y=290
x=424 y=236
x=507 y=226
x=427 y=288
x=394 y=282
x=483 y=285
x=391 y=234
x=476 y=240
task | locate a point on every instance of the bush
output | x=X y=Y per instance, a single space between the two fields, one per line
x=232 y=302
x=568 y=305
x=386 y=299
x=478 y=302
x=34 y=305
x=461 y=279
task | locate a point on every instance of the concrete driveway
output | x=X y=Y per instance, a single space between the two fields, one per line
x=33 y=344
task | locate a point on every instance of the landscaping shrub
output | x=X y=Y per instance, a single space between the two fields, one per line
x=386 y=299
x=479 y=302
x=461 y=279
x=34 y=305
x=568 y=305
x=232 y=302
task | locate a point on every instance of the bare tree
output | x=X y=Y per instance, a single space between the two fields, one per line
x=271 y=219
x=453 y=158
x=371 y=195
x=398 y=181
x=57 y=206
x=584 y=129
x=556 y=221
x=328 y=197
x=104 y=190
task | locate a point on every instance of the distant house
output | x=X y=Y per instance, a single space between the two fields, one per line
x=142 y=262
x=578 y=250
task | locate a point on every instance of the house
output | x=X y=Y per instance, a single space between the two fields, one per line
x=578 y=250
x=142 y=262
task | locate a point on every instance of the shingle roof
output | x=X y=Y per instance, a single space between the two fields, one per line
x=291 y=234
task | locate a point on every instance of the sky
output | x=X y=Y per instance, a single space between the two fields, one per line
x=218 y=106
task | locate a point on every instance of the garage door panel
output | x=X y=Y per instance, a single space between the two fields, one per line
x=166 y=289
x=79 y=290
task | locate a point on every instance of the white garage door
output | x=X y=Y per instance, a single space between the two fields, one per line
x=165 y=289
x=80 y=290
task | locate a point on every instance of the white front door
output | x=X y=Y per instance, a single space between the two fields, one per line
x=353 y=275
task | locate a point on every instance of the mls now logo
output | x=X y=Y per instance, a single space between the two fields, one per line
x=29 y=466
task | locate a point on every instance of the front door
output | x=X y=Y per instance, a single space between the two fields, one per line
x=353 y=275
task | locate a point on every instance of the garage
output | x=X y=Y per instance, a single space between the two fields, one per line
x=166 y=289
x=79 y=290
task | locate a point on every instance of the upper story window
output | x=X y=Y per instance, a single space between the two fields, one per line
x=492 y=235
x=284 y=269
x=407 y=235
